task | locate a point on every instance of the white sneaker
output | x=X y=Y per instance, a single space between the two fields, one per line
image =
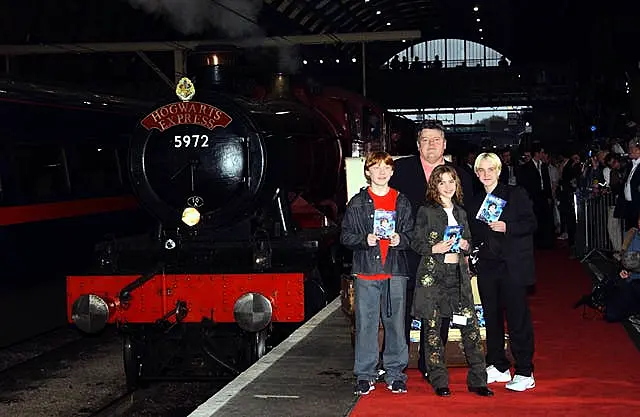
x=493 y=375
x=521 y=383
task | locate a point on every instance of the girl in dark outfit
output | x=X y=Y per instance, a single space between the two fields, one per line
x=443 y=287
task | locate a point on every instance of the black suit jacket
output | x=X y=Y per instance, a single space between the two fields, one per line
x=408 y=178
x=504 y=174
x=531 y=180
x=630 y=209
x=515 y=247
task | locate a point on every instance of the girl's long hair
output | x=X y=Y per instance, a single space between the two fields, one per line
x=435 y=178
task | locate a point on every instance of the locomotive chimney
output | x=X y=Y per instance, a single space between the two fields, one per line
x=280 y=86
x=214 y=71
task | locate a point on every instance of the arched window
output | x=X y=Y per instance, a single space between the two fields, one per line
x=451 y=53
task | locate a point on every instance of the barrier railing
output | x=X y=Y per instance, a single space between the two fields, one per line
x=595 y=232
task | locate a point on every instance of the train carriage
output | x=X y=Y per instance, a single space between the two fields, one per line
x=63 y=188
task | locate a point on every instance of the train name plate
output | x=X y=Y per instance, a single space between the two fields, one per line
x=186 y=113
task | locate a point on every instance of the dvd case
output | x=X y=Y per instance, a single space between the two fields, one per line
x=384 y=223
x=454 y=232
x=491 y=209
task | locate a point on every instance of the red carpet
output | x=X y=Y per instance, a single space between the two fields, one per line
x=583 y=367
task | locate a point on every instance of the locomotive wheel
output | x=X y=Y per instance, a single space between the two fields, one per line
x=131 y=354
x=315 y=296
x=256 y=347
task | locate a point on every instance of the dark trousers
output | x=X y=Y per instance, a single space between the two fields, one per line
x=444 y=332
x=544 y=236
x=444 y=337
x=623 y=300
x=568 y=217
x=408 y=319
x=500 y=295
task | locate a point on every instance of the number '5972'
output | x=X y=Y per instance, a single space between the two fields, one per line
x=192 y=141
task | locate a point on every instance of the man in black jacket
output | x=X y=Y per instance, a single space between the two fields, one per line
x=628 y=207
x=410 y=178
x=536 y=180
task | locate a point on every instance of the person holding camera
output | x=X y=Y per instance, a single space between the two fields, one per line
x=443 y=286
x=623 y=300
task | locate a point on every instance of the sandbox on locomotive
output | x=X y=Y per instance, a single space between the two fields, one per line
x=244 y=193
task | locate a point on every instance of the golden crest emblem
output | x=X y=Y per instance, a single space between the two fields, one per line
x=185 y=89
x=427 y=280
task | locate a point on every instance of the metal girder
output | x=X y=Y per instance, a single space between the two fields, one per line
x=318 y=17
x=336 y=38
x=155 y=68
x=390 y=10
x=89 y=48
x=276 y=41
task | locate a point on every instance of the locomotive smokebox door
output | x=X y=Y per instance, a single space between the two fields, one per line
x=192 y=151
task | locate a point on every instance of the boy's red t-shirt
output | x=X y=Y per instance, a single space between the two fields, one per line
x=382 y=202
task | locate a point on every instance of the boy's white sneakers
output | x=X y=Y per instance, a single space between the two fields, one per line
x=518 y=383
x=493 y=375
x=521 y=383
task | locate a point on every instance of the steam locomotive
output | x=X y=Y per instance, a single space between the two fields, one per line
x=247 y=195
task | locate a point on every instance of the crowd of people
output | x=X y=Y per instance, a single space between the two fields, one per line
x=502 y=208
x=556 y=182
x=415 y=272
x=610 y=175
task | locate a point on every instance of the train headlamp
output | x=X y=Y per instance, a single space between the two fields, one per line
x=190 y=216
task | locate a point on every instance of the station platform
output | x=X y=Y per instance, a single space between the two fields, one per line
x=584 y=366
x=309 y=374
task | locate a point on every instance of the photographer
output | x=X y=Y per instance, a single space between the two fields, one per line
x=623 y=298
x=594 y=171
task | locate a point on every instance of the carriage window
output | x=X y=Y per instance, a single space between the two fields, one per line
x=94 y=170
x=42 y=172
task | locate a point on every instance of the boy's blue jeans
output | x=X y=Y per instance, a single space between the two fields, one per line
x=371 y=304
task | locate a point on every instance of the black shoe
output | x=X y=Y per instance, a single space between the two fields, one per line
x=398 y=387
x=584 y=300
x=443 y=392
x=363 y=387
x=481 y=391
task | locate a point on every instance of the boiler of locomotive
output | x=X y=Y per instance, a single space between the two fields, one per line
x=211 y=162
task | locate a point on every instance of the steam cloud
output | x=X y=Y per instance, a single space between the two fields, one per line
x=234 y=18
x=288 y=59
x=195 y=16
